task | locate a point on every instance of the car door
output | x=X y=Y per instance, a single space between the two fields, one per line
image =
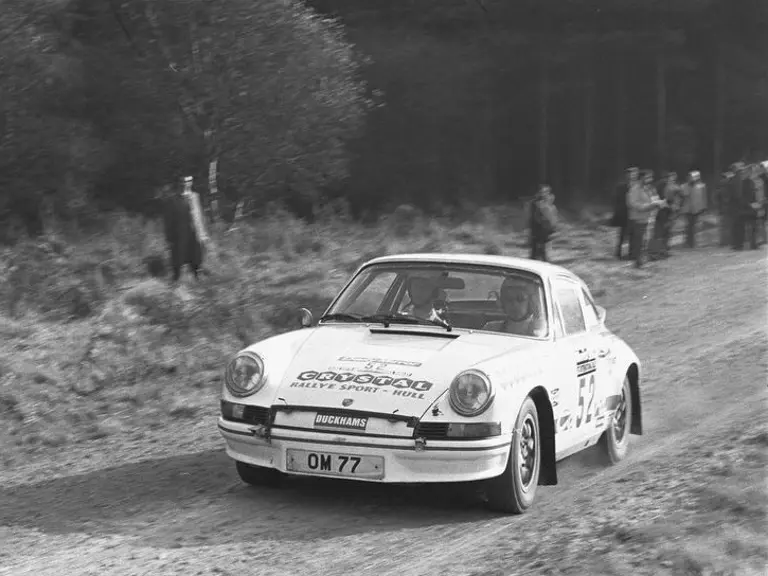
x=600 y=345
x=575 y=348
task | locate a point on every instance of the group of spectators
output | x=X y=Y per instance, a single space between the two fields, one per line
x=646 y=211
x=743 y=205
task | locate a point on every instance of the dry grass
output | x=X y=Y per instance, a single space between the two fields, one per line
x=91 y=347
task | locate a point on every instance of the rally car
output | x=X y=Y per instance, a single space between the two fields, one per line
x=436 y=368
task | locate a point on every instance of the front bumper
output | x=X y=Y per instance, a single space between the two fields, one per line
x=403 y=458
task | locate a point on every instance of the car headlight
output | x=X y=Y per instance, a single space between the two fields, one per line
x=245 y=374
x=471 y=393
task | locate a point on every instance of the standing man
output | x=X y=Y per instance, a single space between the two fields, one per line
x=184 y=230
x=694 y=203
x=750 y=204
x=620 y=216
x=640 y=208
x=667 y=215
x=543 y=222
x=723 y=211
x=762 y=189
x=735 y=206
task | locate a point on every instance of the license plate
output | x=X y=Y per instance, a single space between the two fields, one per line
x=334 y=464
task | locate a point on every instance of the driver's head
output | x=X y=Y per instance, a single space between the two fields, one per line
x=421 y=290
x=516 y=297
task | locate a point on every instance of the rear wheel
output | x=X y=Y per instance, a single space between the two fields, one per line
x=515 y=489
x=615 y=440
x=258 y=475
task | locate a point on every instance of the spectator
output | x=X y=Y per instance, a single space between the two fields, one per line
x=762 y=178
x=543 y=222
x=723 y=209
x=181 y=231
x=665 y=217
x=620 y=218
x=751 y=203
x=694 y=203
x=641 y=205
x=734 y=199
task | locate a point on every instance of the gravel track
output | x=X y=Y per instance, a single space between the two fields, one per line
x=697 y=321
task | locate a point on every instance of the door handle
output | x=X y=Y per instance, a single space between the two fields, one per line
x=603 y=352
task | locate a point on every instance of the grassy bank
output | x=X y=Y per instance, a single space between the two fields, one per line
x=91 y=347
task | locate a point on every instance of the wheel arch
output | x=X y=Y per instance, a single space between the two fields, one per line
x=548 y=474
x=633 y=373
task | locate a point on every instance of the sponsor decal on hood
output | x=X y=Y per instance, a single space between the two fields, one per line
x=361 y=382
x=382 y=372
x=323 y=420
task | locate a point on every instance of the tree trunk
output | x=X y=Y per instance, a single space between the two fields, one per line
x=575 y=132
x=589 y=101
x=717 y=141
x=543 y=116
x=621 y=111
x=661 y=102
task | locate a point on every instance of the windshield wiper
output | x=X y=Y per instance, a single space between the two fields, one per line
x=387 y=319
x=343 y=316
x=438 y=322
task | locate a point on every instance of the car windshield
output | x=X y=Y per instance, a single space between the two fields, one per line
x=472 y=297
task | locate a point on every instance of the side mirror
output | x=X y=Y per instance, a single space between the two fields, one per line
x=305 y=317
x=601 y=314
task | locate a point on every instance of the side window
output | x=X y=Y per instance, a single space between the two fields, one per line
x=569 y=300
x=372 y=296
x=590 y=312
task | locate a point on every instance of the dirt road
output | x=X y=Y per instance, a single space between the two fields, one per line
x=698 y=322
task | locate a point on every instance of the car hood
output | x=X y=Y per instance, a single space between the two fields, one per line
x=402 y=370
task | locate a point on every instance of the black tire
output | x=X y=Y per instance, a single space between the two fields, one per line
x=615 y=440
x=258 y=475
x=515 y=489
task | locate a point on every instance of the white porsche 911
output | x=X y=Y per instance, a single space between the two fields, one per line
x=437 y=368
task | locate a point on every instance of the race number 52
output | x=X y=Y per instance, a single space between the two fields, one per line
x=586 y=395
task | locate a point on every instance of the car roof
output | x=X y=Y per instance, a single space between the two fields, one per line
x=544 y=269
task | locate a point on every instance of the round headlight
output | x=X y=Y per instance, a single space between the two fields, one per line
x=245 y=374
x=471 y=393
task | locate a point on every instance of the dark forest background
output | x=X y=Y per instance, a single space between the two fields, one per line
x=436 y=104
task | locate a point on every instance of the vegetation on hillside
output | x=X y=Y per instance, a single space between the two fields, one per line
x=89 y=345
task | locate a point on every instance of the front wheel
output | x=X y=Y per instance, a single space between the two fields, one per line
x=515 y=489
x=615 y=440
x=258 y=475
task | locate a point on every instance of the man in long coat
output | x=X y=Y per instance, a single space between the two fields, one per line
x=181 y=234
x=620 y=218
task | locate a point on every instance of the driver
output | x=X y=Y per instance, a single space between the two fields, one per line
x=518 y=300
x=421 y=292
